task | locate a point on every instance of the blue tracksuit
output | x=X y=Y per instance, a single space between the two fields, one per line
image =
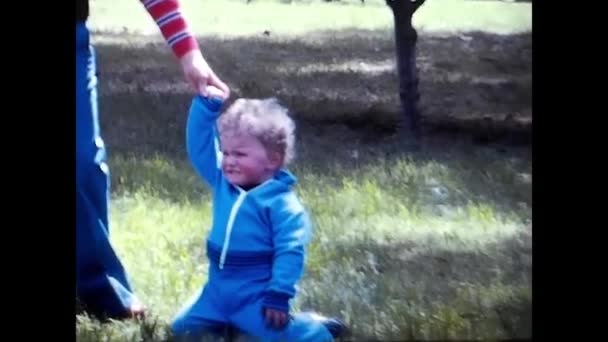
x=256 y=247
x=101 y=282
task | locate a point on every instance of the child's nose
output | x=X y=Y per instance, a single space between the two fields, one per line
x=229 y=160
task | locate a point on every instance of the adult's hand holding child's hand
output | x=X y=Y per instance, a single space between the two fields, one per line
x=199 y=74
x=215 y=92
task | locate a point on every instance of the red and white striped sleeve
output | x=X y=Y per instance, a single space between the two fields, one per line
x=172 y=24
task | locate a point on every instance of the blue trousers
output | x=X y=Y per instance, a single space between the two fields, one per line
x=101 y=282
x=233 y=297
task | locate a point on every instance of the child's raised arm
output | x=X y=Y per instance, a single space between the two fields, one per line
x=202 y=141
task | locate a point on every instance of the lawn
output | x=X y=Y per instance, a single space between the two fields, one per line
x=427 y=244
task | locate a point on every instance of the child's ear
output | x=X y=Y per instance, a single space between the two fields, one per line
x=276 y=160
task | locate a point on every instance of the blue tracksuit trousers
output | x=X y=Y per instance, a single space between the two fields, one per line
x=233 y=297
x=101 y=282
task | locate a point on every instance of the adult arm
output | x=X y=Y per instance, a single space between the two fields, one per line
x=169 y=17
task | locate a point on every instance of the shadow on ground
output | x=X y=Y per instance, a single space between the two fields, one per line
x=341 y=87
x=473 y=85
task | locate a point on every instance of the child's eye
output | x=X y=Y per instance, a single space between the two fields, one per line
x=240 y=154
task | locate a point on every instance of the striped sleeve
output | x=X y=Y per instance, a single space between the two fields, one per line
x=168 y=17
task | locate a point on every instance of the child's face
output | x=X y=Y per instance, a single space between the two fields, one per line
x=245 y=161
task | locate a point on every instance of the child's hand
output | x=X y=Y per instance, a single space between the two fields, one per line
x=275 y=318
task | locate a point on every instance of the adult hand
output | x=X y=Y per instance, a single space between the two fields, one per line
x=137 y=310
x=215 y=92
x=198 y=73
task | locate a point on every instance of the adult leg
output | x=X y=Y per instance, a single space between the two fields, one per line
x=101 y=282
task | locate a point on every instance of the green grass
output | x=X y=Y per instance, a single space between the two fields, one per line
x=433 y=244
x=230 y=18
x=392 y=256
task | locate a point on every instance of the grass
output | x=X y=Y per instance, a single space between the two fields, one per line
x=234 y=18
x=409 y=245
x=392 y=255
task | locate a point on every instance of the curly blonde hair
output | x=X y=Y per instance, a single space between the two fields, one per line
x=264 y=119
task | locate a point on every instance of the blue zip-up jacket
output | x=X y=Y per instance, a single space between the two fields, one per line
x=265 y=227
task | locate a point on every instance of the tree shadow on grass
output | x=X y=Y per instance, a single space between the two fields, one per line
x=342 y=90
x=474 y=83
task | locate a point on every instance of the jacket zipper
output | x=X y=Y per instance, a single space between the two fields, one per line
x=235 y=208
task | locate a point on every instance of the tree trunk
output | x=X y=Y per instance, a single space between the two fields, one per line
x=405 y=43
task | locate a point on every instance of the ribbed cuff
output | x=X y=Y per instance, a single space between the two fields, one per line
x=275 y=300
x=211 y=104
